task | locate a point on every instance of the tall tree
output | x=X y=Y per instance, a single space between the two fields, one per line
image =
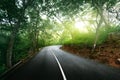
x=15 y=15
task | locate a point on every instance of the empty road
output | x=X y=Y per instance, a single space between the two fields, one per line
x=51 y=63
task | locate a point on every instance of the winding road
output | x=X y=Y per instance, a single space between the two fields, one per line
x=52 y=63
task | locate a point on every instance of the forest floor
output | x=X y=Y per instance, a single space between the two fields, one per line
x=107 y=53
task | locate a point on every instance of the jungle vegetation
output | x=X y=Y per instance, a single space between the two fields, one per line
x=28 y=25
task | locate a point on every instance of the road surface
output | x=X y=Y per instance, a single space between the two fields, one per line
x=51 y=63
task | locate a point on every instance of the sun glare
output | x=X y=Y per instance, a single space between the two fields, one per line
x=81 y=26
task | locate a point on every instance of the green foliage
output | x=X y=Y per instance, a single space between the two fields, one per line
x=34 y=32
x=21 y=49
x=105 y=30
x=82 y=39
x=3 y=45
x=2 y=68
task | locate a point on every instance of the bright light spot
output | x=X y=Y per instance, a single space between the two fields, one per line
x=81 y=26
x=44 y=17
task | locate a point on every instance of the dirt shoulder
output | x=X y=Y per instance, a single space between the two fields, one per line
x=107 y=53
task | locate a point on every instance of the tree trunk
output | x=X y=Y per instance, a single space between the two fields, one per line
x=10 y=46
x=102 y=16
x=97 y=35
x=9 y=50
x=99 y=23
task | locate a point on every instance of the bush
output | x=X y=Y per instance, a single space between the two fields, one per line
x=2 y=68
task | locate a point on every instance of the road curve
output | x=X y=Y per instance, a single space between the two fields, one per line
x=51 y=63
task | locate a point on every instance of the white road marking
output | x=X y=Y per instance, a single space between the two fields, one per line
x=63 y=74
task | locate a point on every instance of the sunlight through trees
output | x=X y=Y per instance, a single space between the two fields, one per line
x=27 y=25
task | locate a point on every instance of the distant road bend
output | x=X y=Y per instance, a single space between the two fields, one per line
x=51 y=63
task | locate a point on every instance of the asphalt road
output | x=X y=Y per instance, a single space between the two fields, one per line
x=51 y=63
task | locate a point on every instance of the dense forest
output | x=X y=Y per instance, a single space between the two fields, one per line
x=28 y=25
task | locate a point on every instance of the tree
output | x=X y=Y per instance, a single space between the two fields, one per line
x=99 y=6
x=13 y=16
